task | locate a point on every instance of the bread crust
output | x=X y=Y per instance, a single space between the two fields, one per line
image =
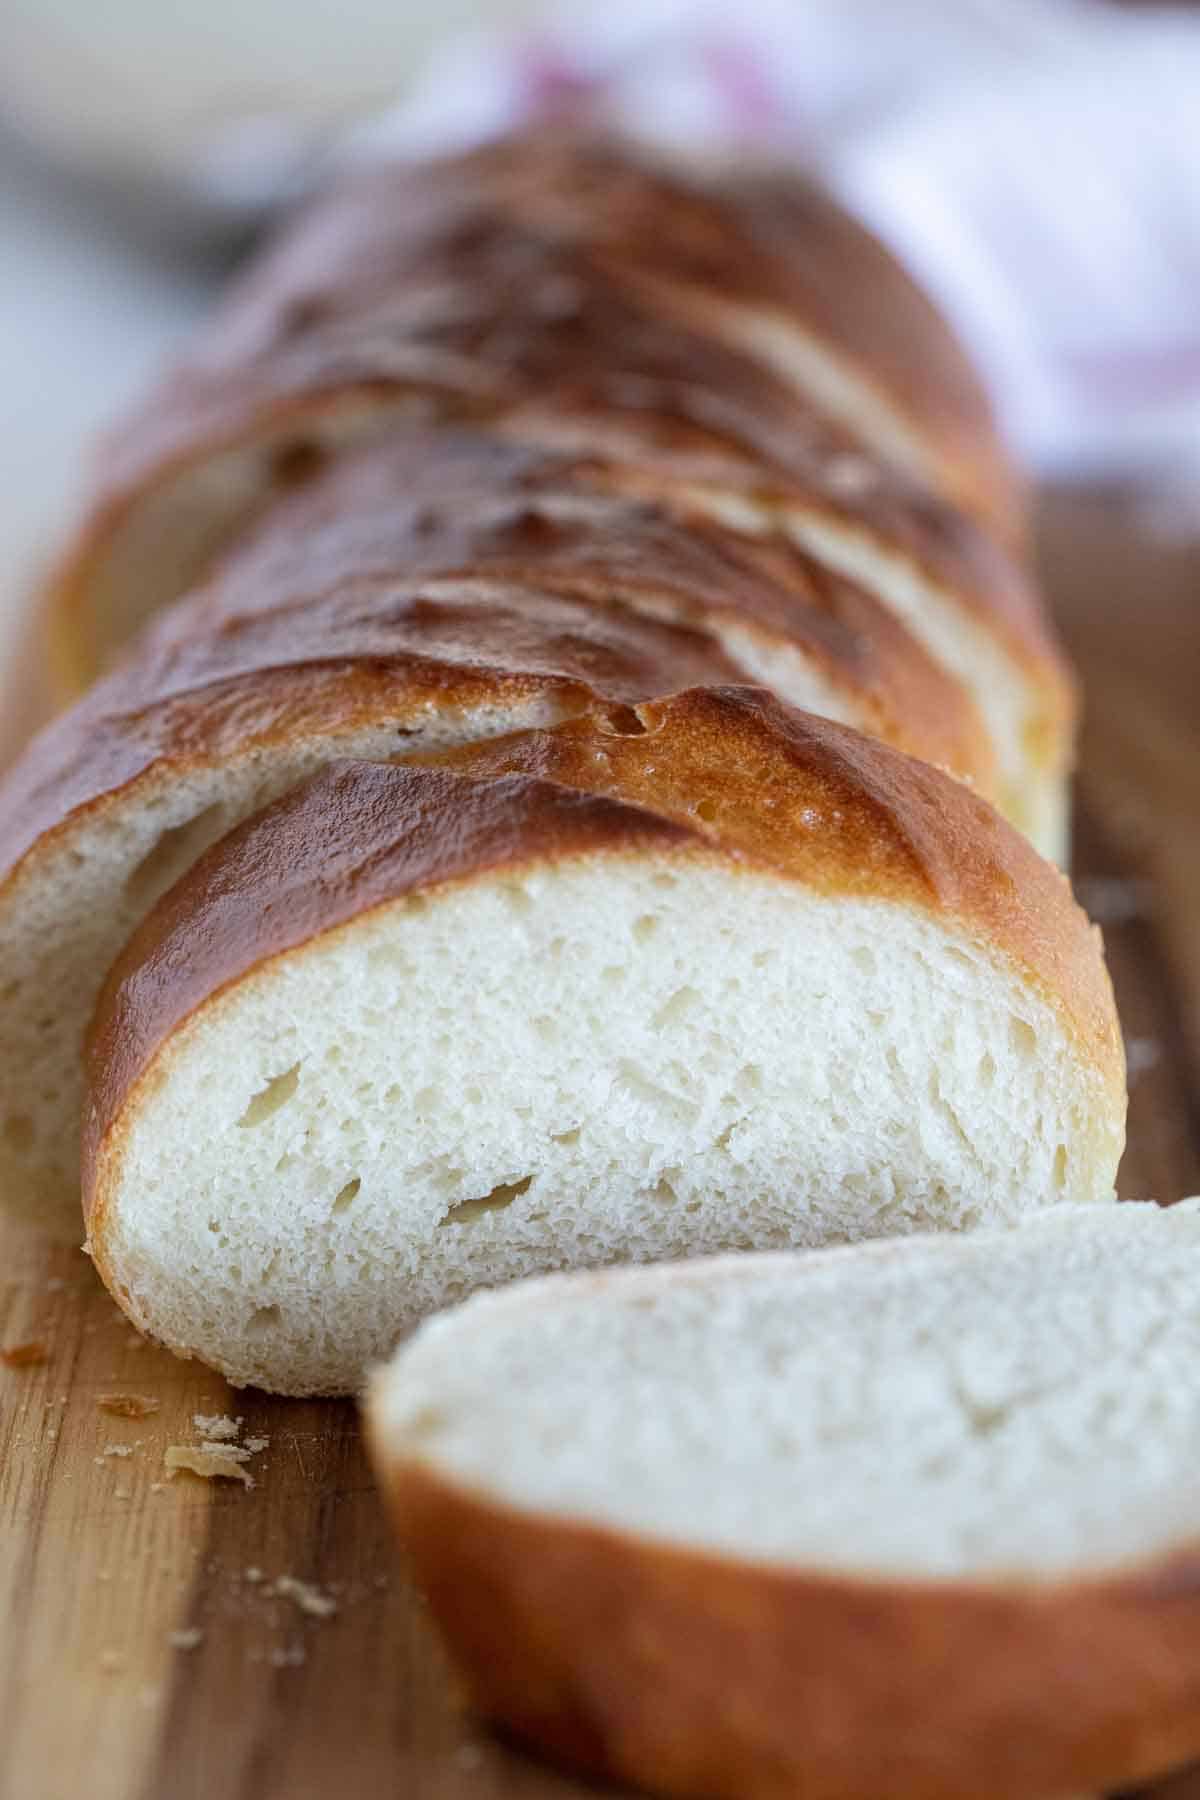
x=693 y=1674
x=762 y=237
x=329 y=614
x=466 y=292
x=197 y=695
x=724 y=771
x=448 y=505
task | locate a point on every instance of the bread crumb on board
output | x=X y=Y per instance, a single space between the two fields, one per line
x=118 y=1450
x=128 y=1406
x=209 y=1461
x=25 y=1356
x=189 y=1638
x=308 y=1598
x=217 y=1427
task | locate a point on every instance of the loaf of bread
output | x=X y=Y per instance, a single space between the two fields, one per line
x=430 y=591
x=557 y=286
x=912 y=1519
x=698 y=974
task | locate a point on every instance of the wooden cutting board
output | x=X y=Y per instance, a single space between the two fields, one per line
x=170 y=1638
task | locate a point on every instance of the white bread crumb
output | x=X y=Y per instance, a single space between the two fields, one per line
x=187 y=1639
x=117 y=1450
x=308 y=1598
x=209 y=1461
x=217 y=1427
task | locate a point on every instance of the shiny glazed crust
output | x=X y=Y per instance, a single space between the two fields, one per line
x=476 y=288
x=691 y=1674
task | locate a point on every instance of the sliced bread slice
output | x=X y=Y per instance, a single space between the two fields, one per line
x=210 y=722
x=419 y=1029
x=914 y=1519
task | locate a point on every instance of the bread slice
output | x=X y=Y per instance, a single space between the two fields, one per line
x=708 y=974
x=916 y=1519
x=210 y=722
x=446 y=292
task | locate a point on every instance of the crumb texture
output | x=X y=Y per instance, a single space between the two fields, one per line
x=1009 y=1404
x=617 y=1056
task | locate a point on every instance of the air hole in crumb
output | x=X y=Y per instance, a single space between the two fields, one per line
x=347 y=1195
x=987 y=1069
x=706 y=810
x=415 y=903
x=500 y=1196
x=762 y=959
x=1060 y=1167
x=519 y=898
x=262 y=1321
x=621 y=721
x=546 y=1027
x=664 y=880
x=675 y=1008
x=1022 y=1037
x=555 y=947
x=175 y=850
x=645 y=927
x=864 y=959
x=278 y=1091
x=566 y=1138
x=613 y=974
x=18 y=1132
x=664 y=1191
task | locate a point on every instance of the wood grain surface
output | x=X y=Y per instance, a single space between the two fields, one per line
x=147 y=1650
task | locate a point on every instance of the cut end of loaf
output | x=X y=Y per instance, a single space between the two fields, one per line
x=636 y=1054
x=915 y=1519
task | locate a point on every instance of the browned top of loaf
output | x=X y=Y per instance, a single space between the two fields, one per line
x=418 y=492
x=711 y=771
x=763 y=239
x=438 y=506
x=195 y=695
x=433 y=281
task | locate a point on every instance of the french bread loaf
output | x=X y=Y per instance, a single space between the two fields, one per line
x=702 y=974
x=544 y=283
x=915 y=1519
x=421 y=593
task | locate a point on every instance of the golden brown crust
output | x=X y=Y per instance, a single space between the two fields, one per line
x=729 y=771
x=695 y=1675
x=447 y=505
x=195 y=695
x=762 y=238
x=449 y=287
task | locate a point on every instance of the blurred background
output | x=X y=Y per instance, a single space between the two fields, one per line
x=1037 y=162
